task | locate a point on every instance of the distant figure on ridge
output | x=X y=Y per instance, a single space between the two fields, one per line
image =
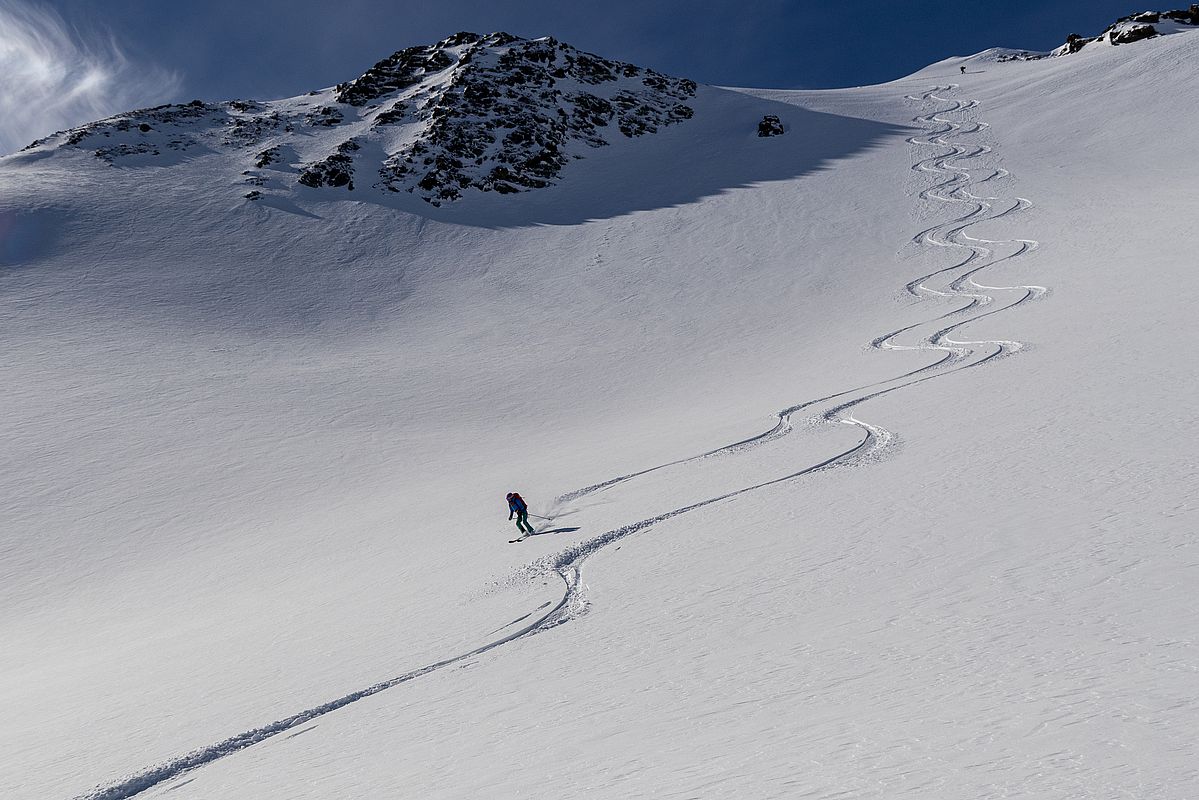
x=518 y=507
x=963 y=69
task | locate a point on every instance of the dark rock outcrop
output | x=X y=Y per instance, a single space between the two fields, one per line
x=1020 y=55
x=397 y=72
x=326 y=116
x=1133 y=34
x=1187 y=16
x=335 y=170
x=391 y=115
x=267 y=157
x=1075 y=42
x=501 y=119
x=770 y=126
x=1183 y=16
x=1133 y=28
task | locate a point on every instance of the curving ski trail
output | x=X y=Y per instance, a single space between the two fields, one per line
x=980 y=254
x=952 y=187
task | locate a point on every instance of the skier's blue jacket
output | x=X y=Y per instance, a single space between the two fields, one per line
x=517 y=504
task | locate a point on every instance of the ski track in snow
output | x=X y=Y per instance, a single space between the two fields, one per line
x=952 y=188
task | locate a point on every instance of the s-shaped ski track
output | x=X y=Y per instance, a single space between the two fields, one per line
x=952 y=187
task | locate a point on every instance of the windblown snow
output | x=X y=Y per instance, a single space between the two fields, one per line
x=857 y=453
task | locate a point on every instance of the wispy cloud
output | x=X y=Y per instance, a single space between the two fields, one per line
x=54 y=76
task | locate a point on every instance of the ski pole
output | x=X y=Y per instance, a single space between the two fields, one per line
x=538 y=516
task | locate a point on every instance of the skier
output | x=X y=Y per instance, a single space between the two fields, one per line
x=963 y=69
x=517 y=506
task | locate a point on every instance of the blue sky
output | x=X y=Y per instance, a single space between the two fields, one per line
x=271 y=47
x=149 y=52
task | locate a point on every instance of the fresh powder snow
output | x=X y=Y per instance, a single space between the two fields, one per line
x=857 y=452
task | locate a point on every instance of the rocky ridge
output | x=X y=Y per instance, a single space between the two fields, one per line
x=490 y=113
x=1133 y=28
x=1127 y=29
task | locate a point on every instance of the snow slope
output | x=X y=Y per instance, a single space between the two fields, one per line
x=257 y=454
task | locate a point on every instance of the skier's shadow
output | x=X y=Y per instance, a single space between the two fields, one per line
x=553 y=530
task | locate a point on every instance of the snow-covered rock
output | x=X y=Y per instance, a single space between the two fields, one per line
x=1002 y=55
x=493 y=113
x=1134 y=28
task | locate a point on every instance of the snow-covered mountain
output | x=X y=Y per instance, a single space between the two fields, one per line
x=1125 y=30
x=494 y=113
x=1134 y=28
x=858 y=454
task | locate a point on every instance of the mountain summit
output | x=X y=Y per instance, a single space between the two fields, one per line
x=494 y=113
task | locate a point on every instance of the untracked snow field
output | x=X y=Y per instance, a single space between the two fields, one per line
x=860 y=453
